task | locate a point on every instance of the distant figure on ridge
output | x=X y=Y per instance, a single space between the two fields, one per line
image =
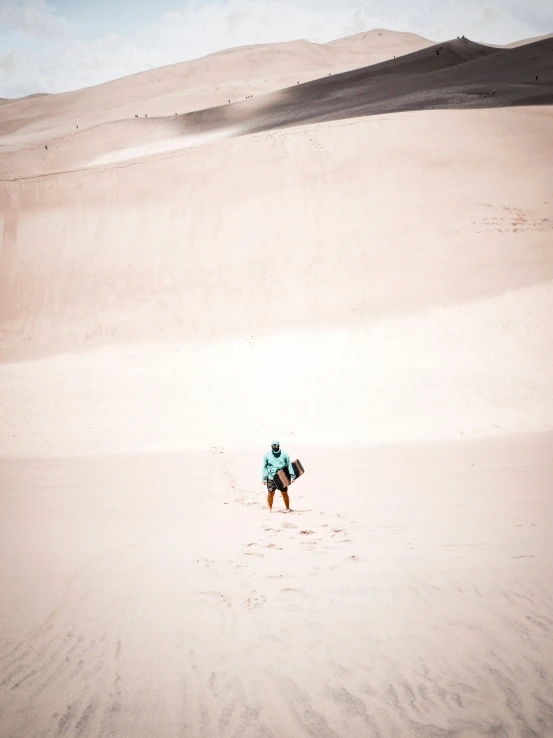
x=273 y=461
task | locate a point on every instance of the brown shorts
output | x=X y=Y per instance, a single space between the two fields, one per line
x=271 y=486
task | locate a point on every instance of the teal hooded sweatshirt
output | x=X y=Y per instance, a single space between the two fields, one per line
x=272 y=463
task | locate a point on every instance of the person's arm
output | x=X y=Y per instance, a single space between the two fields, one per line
x=264 y=477
x=290 y=468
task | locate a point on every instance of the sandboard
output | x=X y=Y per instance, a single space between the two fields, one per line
x=282 y=478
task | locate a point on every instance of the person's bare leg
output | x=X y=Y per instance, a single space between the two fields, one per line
x=286 y=498
x=270 y=498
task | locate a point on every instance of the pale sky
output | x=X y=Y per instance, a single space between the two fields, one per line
x=60 y=45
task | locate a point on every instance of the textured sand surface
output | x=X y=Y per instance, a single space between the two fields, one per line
x=155 y=597
x=325 y=225
x=373 y=287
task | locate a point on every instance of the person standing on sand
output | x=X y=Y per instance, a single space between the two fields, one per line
x=273 y=461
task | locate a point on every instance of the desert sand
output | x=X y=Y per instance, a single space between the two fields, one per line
x=366 y=277
x=195 y=85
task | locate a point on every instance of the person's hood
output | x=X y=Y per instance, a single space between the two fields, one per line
x=275 y=443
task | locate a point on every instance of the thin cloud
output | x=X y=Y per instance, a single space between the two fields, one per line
x=34 y=18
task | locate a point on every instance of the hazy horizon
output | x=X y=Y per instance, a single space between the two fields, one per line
x=63 y=45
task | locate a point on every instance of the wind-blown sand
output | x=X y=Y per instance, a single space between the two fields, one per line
x=373 y=287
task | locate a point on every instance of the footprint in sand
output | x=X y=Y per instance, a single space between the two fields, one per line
x=253 y=553
x=211 y=566
x=212 y=596
x=246 y=502
x=289 y=525
x=273 y=545
x=255 y=600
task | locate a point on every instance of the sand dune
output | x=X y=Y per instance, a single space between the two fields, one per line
x=195 y=85
x=450 y=373
x=309 y=225
x=456 y=74
x=106 y=143
x=372 y=284
x=529 y=41
x=159 y=598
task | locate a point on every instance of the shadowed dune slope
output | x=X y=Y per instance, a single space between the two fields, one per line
x=455 y=75
x=232 y=74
